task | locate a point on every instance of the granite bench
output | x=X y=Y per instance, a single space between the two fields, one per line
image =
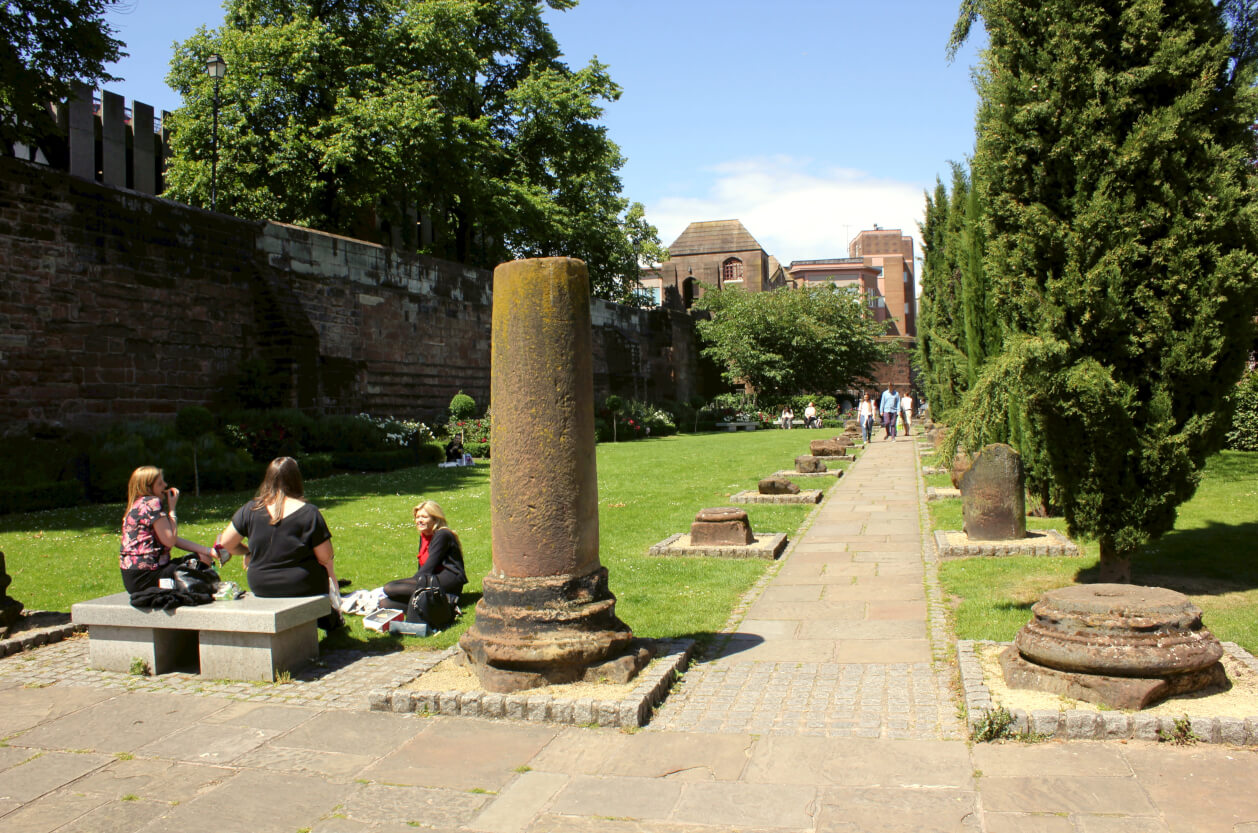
x=246 y=639
x=734 y=426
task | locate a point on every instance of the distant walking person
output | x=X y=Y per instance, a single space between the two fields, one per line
x=889 y=407
x=865 y=415
x=906 y=410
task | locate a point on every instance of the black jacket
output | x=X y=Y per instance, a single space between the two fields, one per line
x=445 y=554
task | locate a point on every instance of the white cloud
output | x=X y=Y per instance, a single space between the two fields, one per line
x=797 y=210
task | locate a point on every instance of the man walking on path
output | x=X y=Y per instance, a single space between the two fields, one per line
x=889 y=406
x=906 y=410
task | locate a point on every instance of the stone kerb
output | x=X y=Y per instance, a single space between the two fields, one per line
x=790 y=473
x=801 y=496
x=951 y=543
x=652 y=686
x=1089 y=724
x=767 y=545
x=941 y=493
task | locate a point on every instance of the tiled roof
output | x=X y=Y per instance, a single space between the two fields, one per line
x=713 y=237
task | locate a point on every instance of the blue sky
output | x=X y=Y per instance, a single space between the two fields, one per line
x=806 y=119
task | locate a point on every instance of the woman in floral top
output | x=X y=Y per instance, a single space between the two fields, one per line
x=149 y=530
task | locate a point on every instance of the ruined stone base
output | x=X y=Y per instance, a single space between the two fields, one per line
x=634 y=710
x=546 y=630
x=835 y=458
x=791 y=473
x=941 y=493
x=952 y=543
x=751 y=496
x=768 y=545
x=933 y=470
x=1115 y=692
x=1085 y=724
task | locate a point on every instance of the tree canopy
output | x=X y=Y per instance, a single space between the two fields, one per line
x=45 y=46
x=819 y=339
x=1115 y=167
x=452 y=121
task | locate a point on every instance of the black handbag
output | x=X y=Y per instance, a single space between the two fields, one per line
x=429 y=604
x=192 y=576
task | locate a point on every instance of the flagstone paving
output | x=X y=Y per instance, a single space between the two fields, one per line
x=850 y=731
x=838 y=643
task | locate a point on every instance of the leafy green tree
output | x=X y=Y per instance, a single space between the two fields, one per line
x=45 y=46
x=787 y=342
x=940 y=351
x=1115 y=159
x=453 y=122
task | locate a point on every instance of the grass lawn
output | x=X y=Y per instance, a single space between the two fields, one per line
x=1209 y=556
x=648 y=490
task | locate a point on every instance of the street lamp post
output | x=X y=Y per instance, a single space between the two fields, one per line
x=216 y=68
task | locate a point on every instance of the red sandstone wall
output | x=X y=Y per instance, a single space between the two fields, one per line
x=116 y=305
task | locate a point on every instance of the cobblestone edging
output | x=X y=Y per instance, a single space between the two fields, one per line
x=1047 y=542
x=1081 y=724
x=29 y=638
x=950 y=725
x=632 y=711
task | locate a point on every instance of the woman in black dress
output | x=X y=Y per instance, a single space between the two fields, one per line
x=289 y=549
x=440 y=555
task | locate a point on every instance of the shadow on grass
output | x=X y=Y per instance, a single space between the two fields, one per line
x=1205 y=561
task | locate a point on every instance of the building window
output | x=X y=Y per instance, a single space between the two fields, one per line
x=732 y=270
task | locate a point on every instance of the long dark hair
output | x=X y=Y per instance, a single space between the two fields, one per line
x=282 y=480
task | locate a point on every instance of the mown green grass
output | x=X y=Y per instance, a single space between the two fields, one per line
x=648 y=490
x=1209 y=556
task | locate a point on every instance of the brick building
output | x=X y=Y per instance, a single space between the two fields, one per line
x=717 y=254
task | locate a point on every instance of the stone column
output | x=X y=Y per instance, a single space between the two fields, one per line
x=547 y=613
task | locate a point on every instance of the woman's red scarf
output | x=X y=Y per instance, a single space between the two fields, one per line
x=423 y=548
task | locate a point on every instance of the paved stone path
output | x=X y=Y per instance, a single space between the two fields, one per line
x=838 y=644
x=85 y=752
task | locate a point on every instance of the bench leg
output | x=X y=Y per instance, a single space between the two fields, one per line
x=163 y=650
x=257 y=656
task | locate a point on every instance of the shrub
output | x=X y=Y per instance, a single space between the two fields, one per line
x=284 y=432
x=193 y=422
x=462 y=406
x=475 y=433
x=375 y=460
x=315 y=465
x=345 y=434
x=433 y=452
x=1243 y=435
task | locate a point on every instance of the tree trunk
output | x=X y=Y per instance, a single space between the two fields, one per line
x=1115 y=567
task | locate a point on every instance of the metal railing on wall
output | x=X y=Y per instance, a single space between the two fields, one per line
x=104 y=140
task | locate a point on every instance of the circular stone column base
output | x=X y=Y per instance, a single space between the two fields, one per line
x=1120 y=630
x=532 y=632
x=1114 y=692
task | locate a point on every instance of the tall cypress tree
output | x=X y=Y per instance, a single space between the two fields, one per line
x=937 y=353
x=1115 y=157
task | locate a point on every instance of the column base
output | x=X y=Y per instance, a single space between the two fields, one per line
x=532 y=632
